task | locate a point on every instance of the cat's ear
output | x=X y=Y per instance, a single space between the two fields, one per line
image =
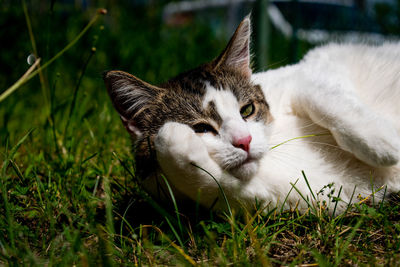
x=130 y=96
x=237 y=53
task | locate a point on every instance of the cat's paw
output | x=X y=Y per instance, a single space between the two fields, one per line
x=178 y=144
x=376 y=142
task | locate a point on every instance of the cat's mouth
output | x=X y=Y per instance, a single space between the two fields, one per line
x=237 y=162
x=241 y=164
x=246 y=169
x=248 y=160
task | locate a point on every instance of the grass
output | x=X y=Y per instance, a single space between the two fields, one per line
x=68 y=191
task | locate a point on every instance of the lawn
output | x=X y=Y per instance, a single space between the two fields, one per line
x=68 y=190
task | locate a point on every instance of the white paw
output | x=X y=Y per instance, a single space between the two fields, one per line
x=180 y=153
x=376 y=142
x=179 y=144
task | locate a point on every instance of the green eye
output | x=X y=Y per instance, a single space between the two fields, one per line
x=247 y=110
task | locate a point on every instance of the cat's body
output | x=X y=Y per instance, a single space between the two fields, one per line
x=339 y=79
x=333 y=116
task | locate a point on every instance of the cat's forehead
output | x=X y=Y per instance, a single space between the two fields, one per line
x=204 y=94
x=222 y=102
x=197 y=82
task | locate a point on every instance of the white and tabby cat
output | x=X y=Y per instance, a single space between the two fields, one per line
x=335 y=116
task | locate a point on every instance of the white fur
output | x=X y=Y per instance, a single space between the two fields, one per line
x=233 y=127
x=348 y=95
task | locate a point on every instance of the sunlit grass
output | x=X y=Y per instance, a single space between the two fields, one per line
x=69 y=194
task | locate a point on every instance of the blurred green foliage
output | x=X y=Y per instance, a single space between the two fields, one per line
x=388 y=16
x=134 y=39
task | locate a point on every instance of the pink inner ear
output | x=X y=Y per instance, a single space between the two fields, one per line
x=237 y=54
x=243 y=63
x=131 y=128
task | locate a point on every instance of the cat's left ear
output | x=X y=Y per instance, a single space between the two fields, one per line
x=130 y=97
x=237 y=53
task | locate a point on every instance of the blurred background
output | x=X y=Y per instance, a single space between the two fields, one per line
x=156 y=40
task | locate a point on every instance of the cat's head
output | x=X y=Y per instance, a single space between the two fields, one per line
x=217 y=100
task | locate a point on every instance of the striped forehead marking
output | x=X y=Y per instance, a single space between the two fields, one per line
x=223 y=102
x=211 y=112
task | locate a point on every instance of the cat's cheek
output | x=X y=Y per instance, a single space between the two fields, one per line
x=259 y=145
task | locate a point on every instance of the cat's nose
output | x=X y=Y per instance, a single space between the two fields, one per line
x=242 y=142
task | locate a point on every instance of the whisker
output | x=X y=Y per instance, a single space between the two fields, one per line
x=289 y=156
x=287 y=161
x=309 y=142
x=310 y=124
x=297 y=138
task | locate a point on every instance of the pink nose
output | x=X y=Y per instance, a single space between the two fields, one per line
x=243 y=143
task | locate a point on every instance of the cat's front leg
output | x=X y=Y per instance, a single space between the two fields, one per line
x=373 y=140
x=185 y=161
x=355 y=127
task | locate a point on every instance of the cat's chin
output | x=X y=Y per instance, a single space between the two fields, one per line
x=246 y=170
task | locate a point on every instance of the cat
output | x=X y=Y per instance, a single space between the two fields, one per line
x=291 y=137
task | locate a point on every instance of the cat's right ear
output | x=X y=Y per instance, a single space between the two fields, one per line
x=237 y=53
x=130 y=96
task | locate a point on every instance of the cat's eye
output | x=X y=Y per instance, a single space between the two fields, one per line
x=247 y=110
x=204 y=128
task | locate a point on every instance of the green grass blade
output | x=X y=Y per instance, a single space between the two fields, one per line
x=336 y=202
x=304 y=198
x=109 y=205
x=346 y=244
x=299 y=137
x=20 y=142
x=33 y=43
x=126 y=222
x=23 y=80
x=126 y=167
x=308 y=185
x=287 y=196
x=174 y=231
x=7 y=207
x=171 y=193
x=76 y=89
x=220 y=188
x=383 y=198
